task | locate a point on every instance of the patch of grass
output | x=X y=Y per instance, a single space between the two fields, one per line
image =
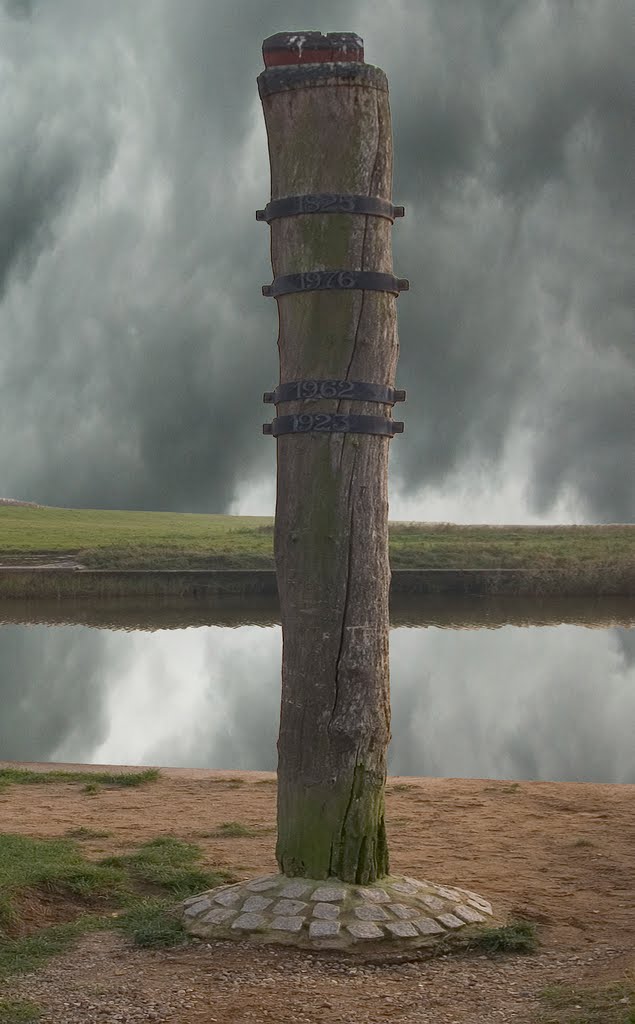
x=152 y=925
x=232 y=830
x=53 y=864
x=91 y=788
x=171 y=865
x=169 y=540
x=607 y=1004
x=167 y=866
x=515 y=937
x=582 y=842
x=24 y=777
x=18 y=1012
x=266 y=782
x=86 y=833
x=401 y=787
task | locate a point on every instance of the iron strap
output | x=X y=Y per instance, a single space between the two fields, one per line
x=330 y=280
x=329 y=202
x=349 y=390
x=332 y=423
x=312 y=76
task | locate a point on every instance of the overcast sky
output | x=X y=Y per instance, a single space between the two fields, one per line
x=134 y=341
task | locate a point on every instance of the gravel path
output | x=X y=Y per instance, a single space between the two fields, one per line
x=105 y=981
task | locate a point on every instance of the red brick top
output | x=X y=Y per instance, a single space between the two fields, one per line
x=312 y=48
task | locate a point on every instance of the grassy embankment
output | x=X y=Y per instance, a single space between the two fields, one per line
x=167 y=540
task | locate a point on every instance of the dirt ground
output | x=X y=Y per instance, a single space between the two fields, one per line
x=559 y=854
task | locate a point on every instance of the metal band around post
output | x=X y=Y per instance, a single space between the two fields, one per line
x=331 y=280
x=332 y=423
x=329 y=202
x=350 y=390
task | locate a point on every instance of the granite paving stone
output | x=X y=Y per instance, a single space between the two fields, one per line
x=326 y=911
x=405 y=887
x=427 y=926
x=229 y=897
x=254 y=904
x=197 y=908
x=292 y=890
x=323 y=929
x=289 y=907
x=250 y=922
x=449 y=894
x=432 y=902
x=479 y=904
x=365 y=930
x=404 y=912
x=329 y=894
x=468 y=914
x=450 y=921
x=199 y=896
x=374 y=895
x=402 y=929
x=368 y=912
x=287 y=924
x=219 y=915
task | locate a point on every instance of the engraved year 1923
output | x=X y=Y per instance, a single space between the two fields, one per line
x=328 y=422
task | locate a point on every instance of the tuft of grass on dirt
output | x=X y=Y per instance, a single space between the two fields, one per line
x=25 y=777
x=151 y=924
x=86 y=833
x=613 y=1003
x=171 y=865
x=515 y=937
x=18 y=1011
x=232 y=830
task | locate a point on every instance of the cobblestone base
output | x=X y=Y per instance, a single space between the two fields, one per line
x=335 y=915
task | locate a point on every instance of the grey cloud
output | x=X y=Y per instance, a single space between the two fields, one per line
x=135 y=343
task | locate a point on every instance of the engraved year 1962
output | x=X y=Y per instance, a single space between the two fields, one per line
x=324 y=388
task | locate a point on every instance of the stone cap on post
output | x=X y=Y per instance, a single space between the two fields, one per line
x=312 y=48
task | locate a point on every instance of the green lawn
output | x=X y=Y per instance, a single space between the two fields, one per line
x=168 y=540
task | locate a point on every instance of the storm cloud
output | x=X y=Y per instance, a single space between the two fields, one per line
x=134 y=343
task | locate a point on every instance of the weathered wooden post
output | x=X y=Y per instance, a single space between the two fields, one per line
x=331 y=216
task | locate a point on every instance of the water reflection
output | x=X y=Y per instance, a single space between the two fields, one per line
x=532 y=701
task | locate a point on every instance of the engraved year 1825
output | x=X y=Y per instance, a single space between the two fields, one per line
x=328 y=202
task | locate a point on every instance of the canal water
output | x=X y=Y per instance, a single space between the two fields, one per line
x=512 y=689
